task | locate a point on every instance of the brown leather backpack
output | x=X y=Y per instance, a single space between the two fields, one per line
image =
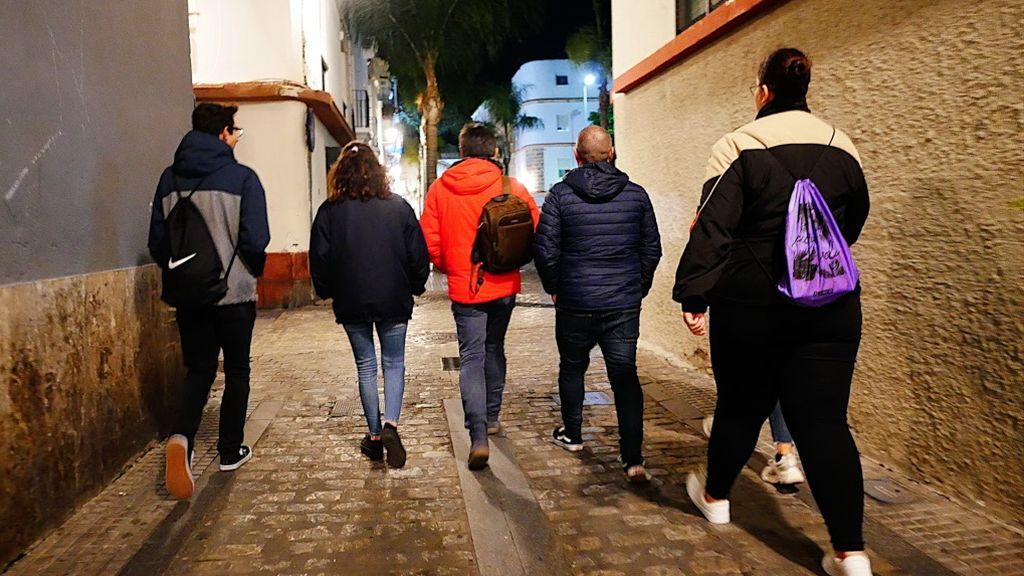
x=504 y=237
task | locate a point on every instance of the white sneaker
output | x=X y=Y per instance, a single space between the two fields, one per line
x=784 y=470
x=716 y=512
x=853 y=565
x=706 y=424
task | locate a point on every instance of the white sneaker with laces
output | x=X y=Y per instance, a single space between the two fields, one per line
x=716 y=512
x=852 y=565
x=784 y=469
x=706 y=424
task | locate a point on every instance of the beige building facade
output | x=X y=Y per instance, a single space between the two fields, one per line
x=932 y=94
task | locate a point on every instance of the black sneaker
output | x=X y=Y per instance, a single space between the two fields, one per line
x=563 y=440
x=393 y=444
x=229 y=462
x=636 y=473
x=372 y=449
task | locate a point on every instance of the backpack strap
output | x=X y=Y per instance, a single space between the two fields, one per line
x=760 y=264
x=177 y=190
x=506 y=186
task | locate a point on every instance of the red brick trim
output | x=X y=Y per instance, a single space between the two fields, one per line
x=285 y=282
x=702 y=33
x=322 y=103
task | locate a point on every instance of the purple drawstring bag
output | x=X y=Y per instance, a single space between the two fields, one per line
x=819 y=265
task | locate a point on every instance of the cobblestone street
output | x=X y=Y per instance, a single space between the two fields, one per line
x=310 y=503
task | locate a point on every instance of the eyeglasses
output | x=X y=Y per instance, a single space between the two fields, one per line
x=237 y=131
x=754 y=87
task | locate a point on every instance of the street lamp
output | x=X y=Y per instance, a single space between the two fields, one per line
x=588 y=80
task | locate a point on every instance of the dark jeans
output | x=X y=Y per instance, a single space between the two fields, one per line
x=616 y=333
x=803 y=359
x=204 y=333
x=481 y=329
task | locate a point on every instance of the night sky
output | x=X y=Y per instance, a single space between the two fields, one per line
x=561 y=19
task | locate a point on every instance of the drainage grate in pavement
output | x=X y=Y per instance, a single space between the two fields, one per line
x=433 y=338
x=589 y=399
x=450 y=363
x=886 y=491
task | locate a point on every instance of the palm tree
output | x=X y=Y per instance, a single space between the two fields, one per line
x=424 y=39
x=590 y=46
x=505 y=108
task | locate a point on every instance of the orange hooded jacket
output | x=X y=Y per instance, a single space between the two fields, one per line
x=451 y=214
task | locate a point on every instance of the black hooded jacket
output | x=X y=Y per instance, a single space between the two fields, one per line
x=597 y=243
x=736 y=252
x=369 y=257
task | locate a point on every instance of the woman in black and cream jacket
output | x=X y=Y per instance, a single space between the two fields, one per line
x=765 y=349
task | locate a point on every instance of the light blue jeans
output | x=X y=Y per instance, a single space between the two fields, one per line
x=392 y=352
x=780 y=432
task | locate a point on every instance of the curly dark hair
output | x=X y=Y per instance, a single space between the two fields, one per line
x=357 y=175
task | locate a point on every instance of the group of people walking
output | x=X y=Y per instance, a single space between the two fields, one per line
x=779 y=349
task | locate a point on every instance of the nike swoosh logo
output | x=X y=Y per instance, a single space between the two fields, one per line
x=172 y=264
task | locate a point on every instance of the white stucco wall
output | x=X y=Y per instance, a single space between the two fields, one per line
x=639 y=29
x=245 y=40
x=274 y=146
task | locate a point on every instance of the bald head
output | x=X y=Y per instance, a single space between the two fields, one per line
x=594 y=145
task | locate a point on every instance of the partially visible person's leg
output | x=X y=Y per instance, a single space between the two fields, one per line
x=575 y=336
x=234 y=325
x=745 y=368
x=471 y=326
x=200 y=351
x=620 y=331
x=815 y=396
x=360 y=337
x=392 y=352
x=784 y=466
x=499 y=314
x=780 y=432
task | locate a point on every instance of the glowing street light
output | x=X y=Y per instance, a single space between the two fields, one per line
x=588 y=80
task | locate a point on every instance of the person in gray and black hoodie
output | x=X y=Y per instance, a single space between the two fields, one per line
x=233 y=206
x=764 y=348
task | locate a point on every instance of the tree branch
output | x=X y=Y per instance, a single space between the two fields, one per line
x=408 y=39
x=444 y=24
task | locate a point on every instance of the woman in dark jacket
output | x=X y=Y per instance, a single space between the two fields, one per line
x=367 y=253
x=764 y=348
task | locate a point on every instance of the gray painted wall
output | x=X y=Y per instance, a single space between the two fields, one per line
x=94 y=99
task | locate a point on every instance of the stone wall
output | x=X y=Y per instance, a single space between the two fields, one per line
x=89 y=365
x=931 y=93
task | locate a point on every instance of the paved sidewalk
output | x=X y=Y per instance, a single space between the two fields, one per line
x=309 y=503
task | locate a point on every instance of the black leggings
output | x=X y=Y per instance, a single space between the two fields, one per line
x=802 y=358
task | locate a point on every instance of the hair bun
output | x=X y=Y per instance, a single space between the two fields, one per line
x=797 y=68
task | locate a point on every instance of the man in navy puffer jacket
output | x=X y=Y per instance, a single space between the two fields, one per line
x=597 y=247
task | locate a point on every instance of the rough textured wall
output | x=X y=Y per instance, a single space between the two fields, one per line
x=94 y=100
x=89 y=365
x=931 y=93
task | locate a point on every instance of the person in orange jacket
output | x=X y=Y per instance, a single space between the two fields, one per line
x=482 y=310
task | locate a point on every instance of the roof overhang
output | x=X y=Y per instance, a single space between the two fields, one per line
x=320 y=102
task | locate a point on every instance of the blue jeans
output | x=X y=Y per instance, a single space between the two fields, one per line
x=780 y=432
x=481 y=329
x=616 y=333
x=392 y=352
